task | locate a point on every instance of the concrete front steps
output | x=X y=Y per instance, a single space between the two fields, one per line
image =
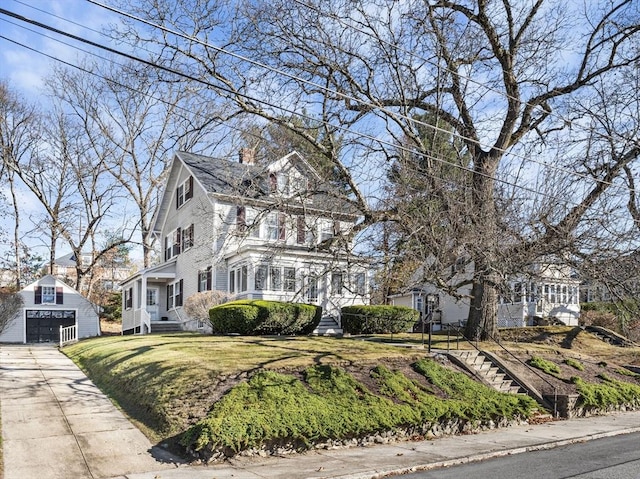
x=489 y=373
x=165 y=327
x=328 y=327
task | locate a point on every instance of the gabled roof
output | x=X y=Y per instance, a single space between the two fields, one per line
x=222 y=177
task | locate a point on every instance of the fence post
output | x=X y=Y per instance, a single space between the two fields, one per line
x=60 y=336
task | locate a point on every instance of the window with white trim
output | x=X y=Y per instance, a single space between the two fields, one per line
x=289 y=275
x=260 y=277
x=336 y=283
x=174 y=294
x=187 y=238
x=275 y=278
x=238 y=279
x=359 y=283
x=312 y=288
x=184 y=192
x=48 y=295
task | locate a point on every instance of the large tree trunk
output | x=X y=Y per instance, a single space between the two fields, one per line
x=483 y=310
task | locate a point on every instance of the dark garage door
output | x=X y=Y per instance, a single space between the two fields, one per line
x=43 y=325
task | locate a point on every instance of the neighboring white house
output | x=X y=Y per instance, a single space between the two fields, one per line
x=48 y=304
x=548 y=291
x=254 y=231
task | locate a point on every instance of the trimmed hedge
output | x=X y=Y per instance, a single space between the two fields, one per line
x=256 y=317
x=378 y=319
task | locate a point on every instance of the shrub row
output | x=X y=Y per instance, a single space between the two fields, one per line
x=378 y=319
x=255 y=317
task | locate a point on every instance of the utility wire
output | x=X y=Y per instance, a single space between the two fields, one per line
x=253 y=99
x=345 y=96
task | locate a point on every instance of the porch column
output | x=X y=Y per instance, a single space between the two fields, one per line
x=143 y=292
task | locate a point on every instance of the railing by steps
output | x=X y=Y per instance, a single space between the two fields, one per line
x=68 y=335
x=459 y=333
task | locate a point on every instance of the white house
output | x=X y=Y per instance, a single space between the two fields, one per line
x=549 y=290
x=253 y=231
x=48 y=304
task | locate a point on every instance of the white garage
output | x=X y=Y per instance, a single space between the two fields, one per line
x=48 y=304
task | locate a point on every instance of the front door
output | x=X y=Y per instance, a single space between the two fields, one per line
x=153 y=297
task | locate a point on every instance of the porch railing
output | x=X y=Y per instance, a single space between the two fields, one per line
x=68 y=334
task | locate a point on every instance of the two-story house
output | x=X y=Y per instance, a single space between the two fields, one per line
x=548 y=290
x=275 y=231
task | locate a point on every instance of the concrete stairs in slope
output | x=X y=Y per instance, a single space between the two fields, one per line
x=489 y=373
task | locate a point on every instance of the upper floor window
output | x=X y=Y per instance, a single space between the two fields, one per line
x=48 y=295
x=172 y=244
x=276 y=229
x=187 y=238
x=184 y=192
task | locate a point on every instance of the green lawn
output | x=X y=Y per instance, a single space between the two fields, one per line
x=228 y=393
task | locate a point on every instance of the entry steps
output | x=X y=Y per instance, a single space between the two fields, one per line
x=328 y=326
x=488 y=372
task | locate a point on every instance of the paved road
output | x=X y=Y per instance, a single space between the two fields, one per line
x=608 y=458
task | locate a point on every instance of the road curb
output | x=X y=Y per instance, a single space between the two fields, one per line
x=484 y=456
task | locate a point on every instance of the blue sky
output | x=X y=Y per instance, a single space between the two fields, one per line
x=25 y=68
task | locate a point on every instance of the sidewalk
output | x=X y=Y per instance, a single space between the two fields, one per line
x=57 y=424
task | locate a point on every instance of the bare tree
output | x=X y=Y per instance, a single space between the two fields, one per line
x=501 y=75
x=197 y=305
x=19 y=130
x=132 y=122
x=10 y=305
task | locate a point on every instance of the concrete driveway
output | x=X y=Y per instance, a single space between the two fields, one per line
x=57 y=425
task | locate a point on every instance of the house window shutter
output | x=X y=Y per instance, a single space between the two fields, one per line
x=209 y=278
x=59 y=295
x=189 y=193
x=179 y=293
x=301 y=230
x=38 y=295
x=282 y=230
x=241 y=218
x=167 y=253
x=176 y=242
x=169 y=294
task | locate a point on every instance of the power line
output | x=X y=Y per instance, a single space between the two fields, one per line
x=347 y=97
x=272 y=105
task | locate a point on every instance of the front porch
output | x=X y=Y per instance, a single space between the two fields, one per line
x=145 y=302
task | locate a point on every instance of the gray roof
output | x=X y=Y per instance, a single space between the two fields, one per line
x=250 y=181
x=224 y=177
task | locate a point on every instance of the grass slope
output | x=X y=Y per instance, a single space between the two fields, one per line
x=331 y=404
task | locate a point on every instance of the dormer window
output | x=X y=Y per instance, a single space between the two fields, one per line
x=279 y=183
x=184 y=192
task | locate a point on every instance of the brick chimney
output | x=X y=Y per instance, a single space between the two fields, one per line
x=247 y=156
